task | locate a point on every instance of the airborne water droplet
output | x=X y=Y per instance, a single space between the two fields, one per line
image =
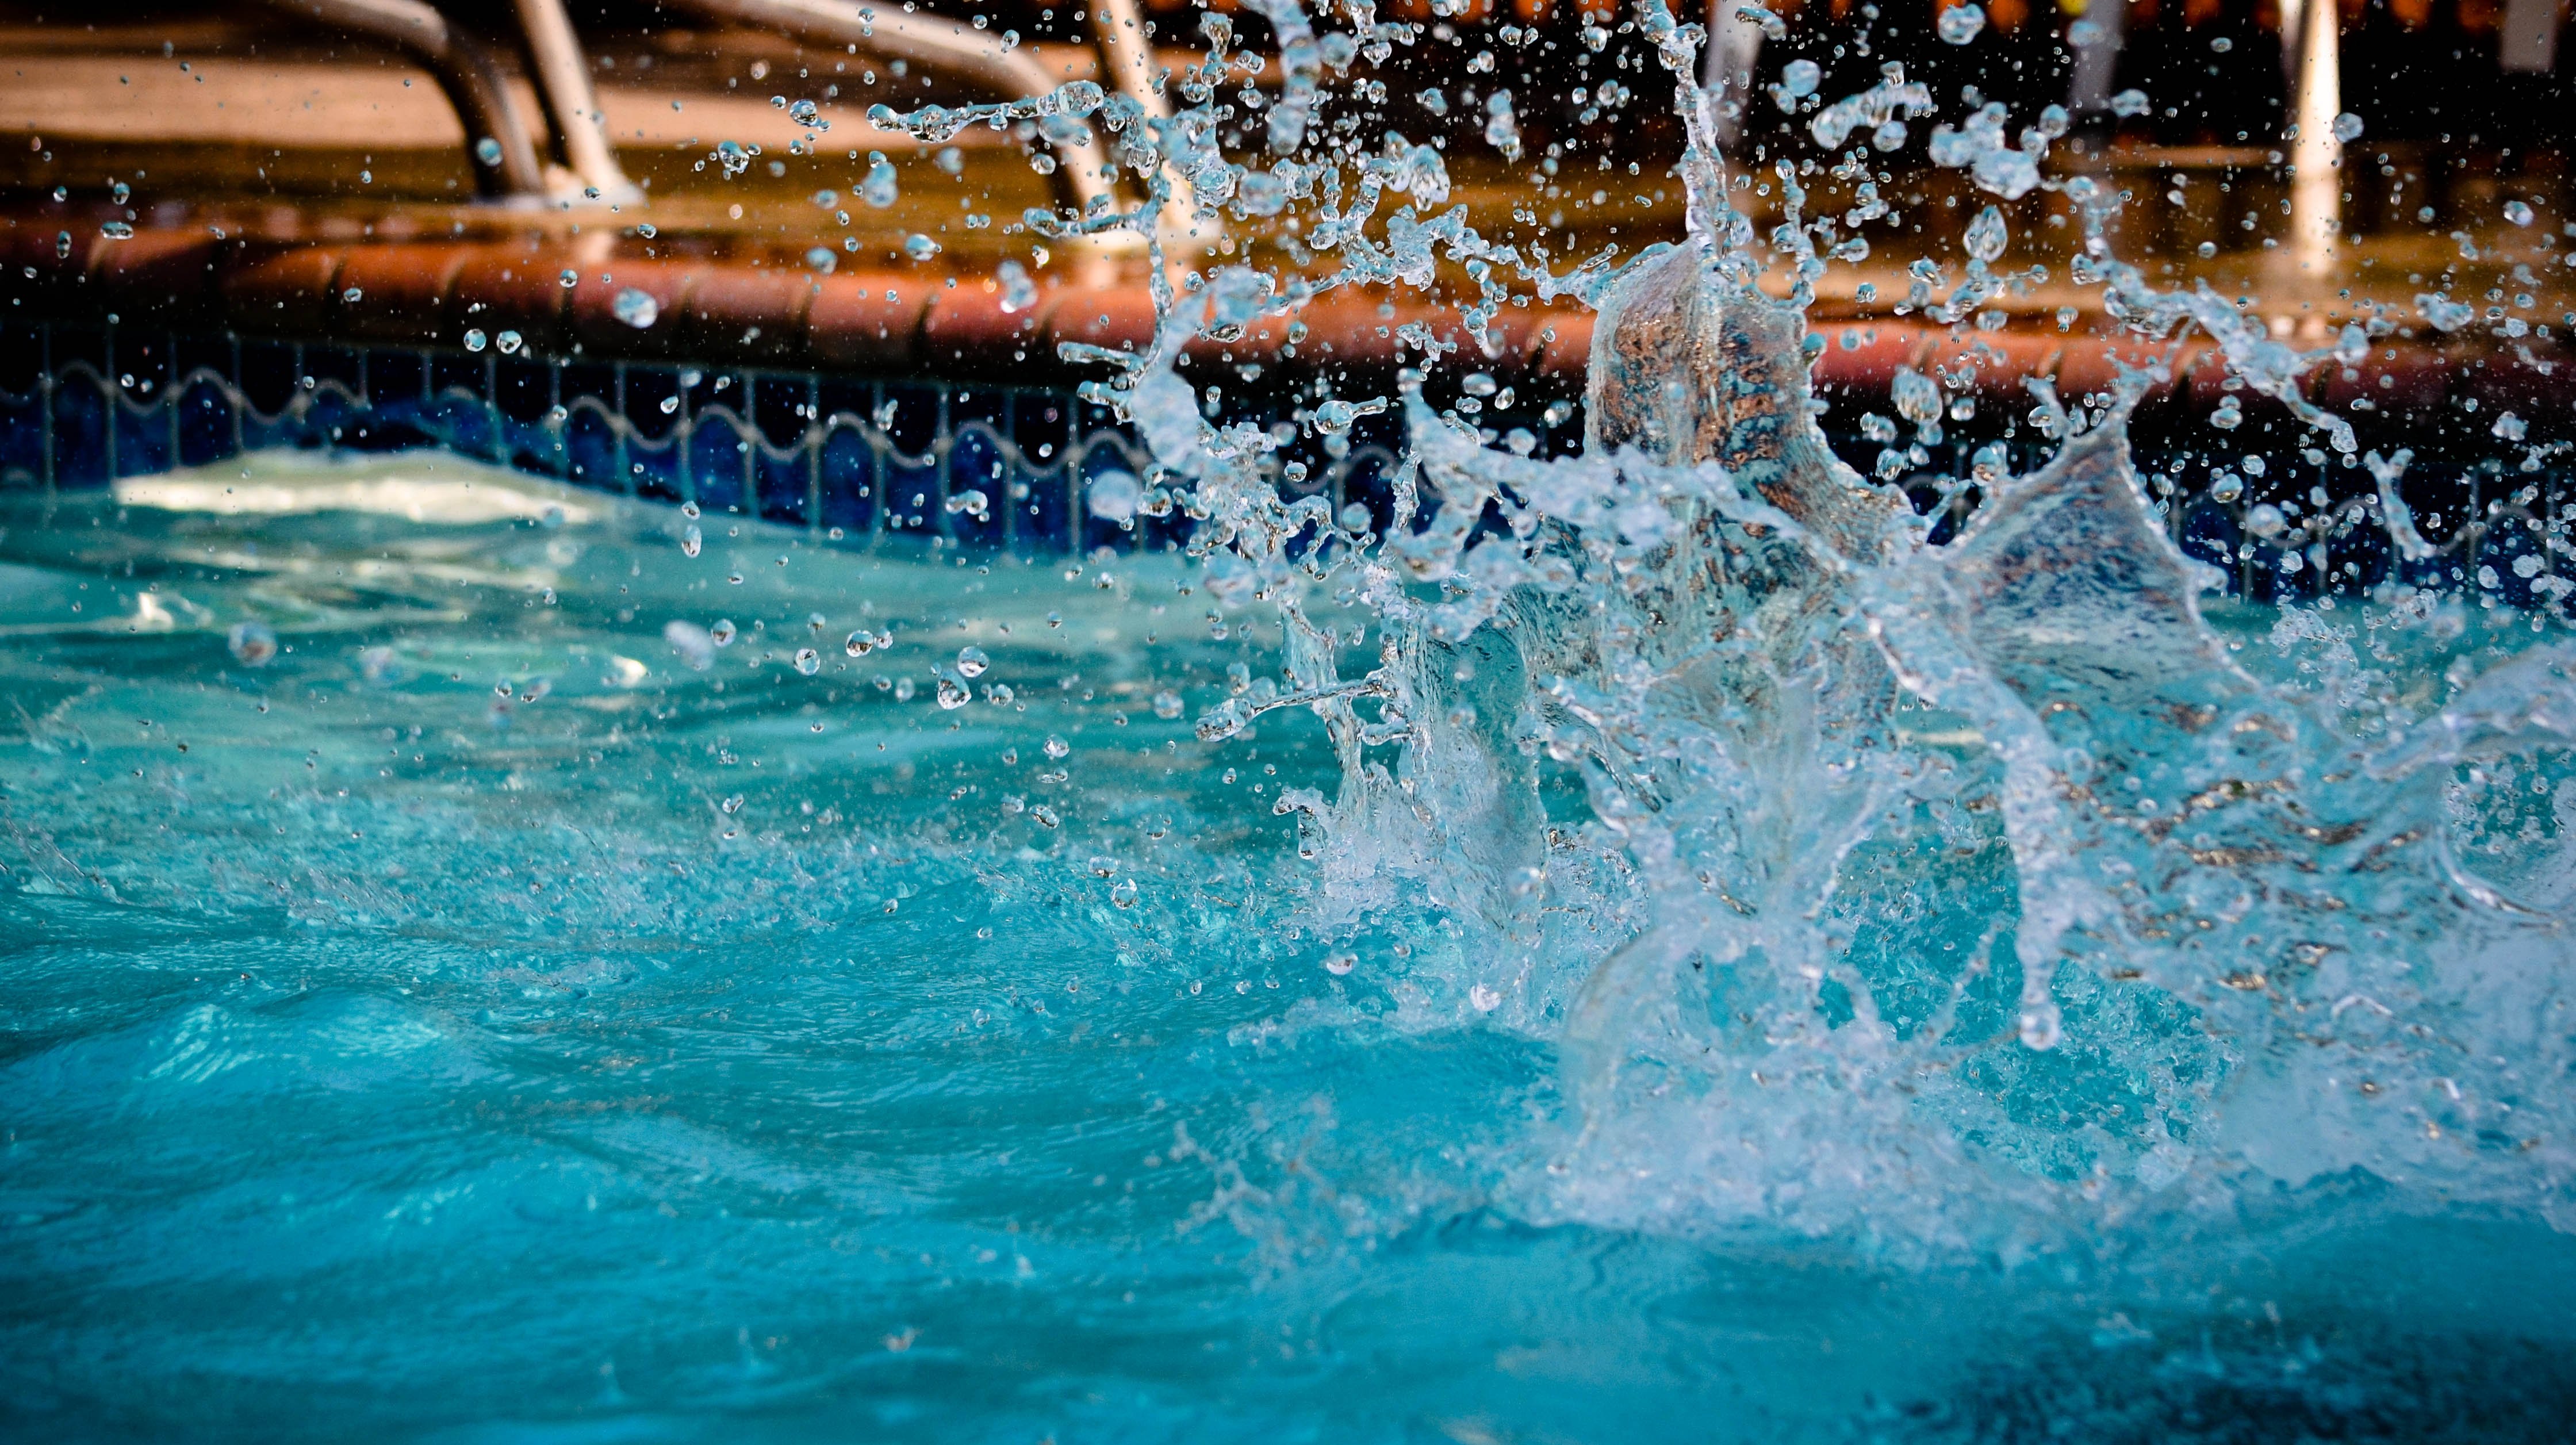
x=1019 y=293
x=920 y=247
x=971 y=662
x=635 y=308
x=953 y=694
x=488 y=151
x=722 y=634
x=690 y=542
x=474 y=341
x=808 y=661
x=878 y=189
x=1960 y=23
x=252 y=643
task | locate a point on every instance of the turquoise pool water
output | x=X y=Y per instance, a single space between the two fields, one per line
x=475 y=1021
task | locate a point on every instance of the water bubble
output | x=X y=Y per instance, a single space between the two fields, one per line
x=1057 y=747
x=669 y=405
x=1167 y=704
x=1115 y=496
x=570 y=278
x=2254 y=466
x=2226 y=487
x=953 y=694
x=2517 y=212
x=1961 y=23
x=859 y=643
x=2264 y=520
x=1339 y=964
x=488 y=151
x=252 y=643
x=692 y=541
x=689 y=510
x=119 y=192
x=1798 y=80
x=647 y=230
x=2219 y=46
x=950 y=159
x=878 y=189
x=999 y=694
x=2130 y=103
x=2229 y=415
x=2508 y=427
x=352 y=295
x=1123 y=893
x=971 y=662
x=1261 y=193
x=1019 y=293
x=1987 y=235
x=509 y=342
x=821 y=259
x=723 y=633
x=117 y=231
x=920 y=247
x=474 y=341
x=808 y=661
x=1045 y=815
x=62 y=244
x=636 y=308
x=2347 y=127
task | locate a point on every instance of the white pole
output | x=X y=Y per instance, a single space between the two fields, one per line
x=563 y=80
x=1734 y=48
x=2097 y=61
x=2316 y=182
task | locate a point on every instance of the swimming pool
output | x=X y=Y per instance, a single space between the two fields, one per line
x=476 y=1020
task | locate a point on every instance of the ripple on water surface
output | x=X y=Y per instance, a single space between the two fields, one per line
x=477 y=1020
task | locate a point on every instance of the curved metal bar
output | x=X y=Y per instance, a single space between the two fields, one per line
x=926 y=40
x=470 y=76
x=563 y=82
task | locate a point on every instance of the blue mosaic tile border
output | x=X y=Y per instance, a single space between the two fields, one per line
x=865 y=460
x=856 y=459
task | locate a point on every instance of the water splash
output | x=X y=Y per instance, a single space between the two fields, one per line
x=1898 y=880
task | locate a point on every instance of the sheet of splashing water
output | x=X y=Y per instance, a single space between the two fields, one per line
x=1690 y=959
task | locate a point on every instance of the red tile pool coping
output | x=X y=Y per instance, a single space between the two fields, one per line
x=956 y=327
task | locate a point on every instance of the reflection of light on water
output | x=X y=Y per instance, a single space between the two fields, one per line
x=434 y=500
